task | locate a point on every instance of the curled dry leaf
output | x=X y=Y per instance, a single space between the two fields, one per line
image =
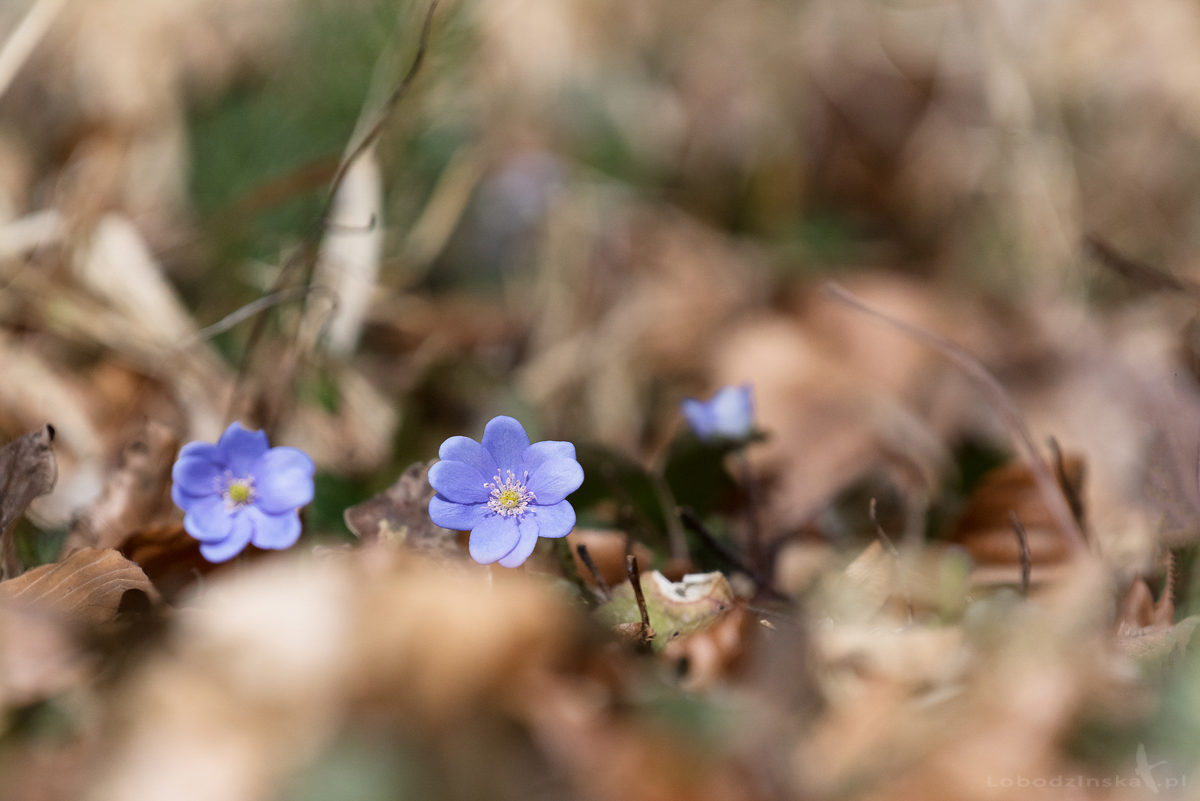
x=400 y=515
x=169 y=556
x=676 y=609
x=86 y=588
x=27 y=469
x=138 y=492
x=985 y=527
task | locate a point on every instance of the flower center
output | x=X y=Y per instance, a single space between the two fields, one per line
x=509 y=497
x=238 y=491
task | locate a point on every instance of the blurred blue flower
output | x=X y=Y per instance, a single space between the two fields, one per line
x=505 y=491
x=729 y=414
x=241 y=491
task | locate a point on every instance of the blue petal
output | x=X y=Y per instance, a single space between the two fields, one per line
x=699 y=417
x=732 y=410
x=505 y=439
x=208 y=520
x=556 y=520
x=202 y=450
x=273 y=532
x=540 y=452
x=495 y=536
x=197 y=475
x=555 y=480
x=283 y=480
x=240 y=448
x=467 y=450
x=458 y=482
x=231 y=546
x=183 y=500
x=456 y=516
x=528 y=529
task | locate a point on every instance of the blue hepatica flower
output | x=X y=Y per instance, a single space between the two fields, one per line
x=729 y=414
x=505 y=491
x=241 y=491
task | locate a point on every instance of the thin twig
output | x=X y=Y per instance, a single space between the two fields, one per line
x=1145 y=275
x=246 y=312
x=760 y=576
x=750 y=481
x=1064 y=482
x=586 y=558
x=635 y=579
x=1051 y=493
x=894 y=552
x=1026 y=558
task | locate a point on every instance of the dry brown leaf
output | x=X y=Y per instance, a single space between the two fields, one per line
x=169 y=556
x=607 y=550
x=400 y=515
x=138 y=493
x=86 y=588
x=985 y=526
x=27 y=469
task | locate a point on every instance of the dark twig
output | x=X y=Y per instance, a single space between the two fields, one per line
x=1026 y=558
x=1137 y=272
x=635 y=579
x=1070 y=490
x=586 y=558
x=1051 y=493
x=894 y=552
x=729 y=555
x=750 y=481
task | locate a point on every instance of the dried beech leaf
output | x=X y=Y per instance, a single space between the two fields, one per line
x=27 y=469
x=86 y=587
x=985 y=526
x=169 y=556
x=676 y=609
x=138 y=492
x=400 y=515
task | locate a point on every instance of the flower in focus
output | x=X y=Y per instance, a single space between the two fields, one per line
x=505 y=491
x=241 y=491
x=729 y=414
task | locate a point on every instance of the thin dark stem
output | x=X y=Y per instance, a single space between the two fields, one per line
x=729 y=555
x=1051 y=493
x=1026 y=558
x=1070 y=491
x=890 y=547
x=586 y=558
x=750 y=482
x=635 y=579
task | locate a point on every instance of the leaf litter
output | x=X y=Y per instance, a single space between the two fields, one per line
x=959 y=558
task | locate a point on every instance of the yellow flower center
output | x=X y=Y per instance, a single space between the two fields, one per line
x=509 y=497
x=239 y=491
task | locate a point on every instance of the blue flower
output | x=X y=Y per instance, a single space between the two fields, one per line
x=729 y=414
x=241 y=491
x=505 y=491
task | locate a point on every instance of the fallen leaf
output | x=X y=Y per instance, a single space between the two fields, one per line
x=169 y=556
x=400 y=515
x=86 y=587
x=675 y=608
x=27 y=469
x=138 y=492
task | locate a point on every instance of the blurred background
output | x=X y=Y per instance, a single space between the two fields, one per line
x=580 y=214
